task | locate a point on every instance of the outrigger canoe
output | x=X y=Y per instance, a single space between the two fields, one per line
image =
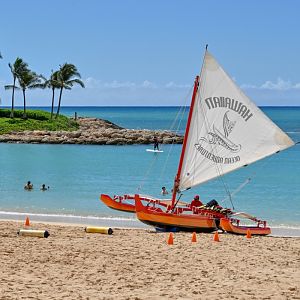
x=158 y=213
x=225 y=131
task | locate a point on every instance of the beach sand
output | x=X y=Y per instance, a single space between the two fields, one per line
x=138 y=264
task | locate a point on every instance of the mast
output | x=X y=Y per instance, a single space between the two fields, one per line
x=177 y=178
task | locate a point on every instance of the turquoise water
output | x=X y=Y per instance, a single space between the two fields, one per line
x=77 y=174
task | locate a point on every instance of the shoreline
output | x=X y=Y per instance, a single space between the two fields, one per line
x=93 y=131
x=115 y=222
x=139 y=264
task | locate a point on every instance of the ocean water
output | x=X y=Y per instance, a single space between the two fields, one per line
x=78 y=174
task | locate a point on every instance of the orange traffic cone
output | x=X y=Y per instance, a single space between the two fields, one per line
x=170 y=239
x=27 y=222
x=248 y=235
x=216 y=237
x=194 y=237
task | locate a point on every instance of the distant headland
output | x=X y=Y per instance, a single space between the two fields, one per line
x=38 y=128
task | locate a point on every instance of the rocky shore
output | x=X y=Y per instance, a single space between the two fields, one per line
x=95 y=132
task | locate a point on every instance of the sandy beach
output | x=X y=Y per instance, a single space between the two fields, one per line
x=138 y=264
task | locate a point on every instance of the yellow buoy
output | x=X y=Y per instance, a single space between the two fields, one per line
x=104 y=230
x=32 y=232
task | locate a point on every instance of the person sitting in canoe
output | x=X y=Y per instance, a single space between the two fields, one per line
x=155 y=141
x=212 y=203
x=196 y=202
x=28 y=186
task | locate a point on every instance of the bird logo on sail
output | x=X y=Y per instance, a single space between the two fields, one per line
x=218 y=138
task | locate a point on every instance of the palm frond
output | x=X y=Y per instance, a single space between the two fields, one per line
x=10 y=87
x=18 y=67
x=78 y=81
x=30 y=80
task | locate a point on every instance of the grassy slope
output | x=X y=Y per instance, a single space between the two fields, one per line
x=37 y=120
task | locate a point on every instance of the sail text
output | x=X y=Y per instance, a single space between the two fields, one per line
x=217 y=159
x=226 y=102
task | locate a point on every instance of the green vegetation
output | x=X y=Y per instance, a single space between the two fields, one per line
x=65 y=78
x=36 y=120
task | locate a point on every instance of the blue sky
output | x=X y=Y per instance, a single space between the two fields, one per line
x=135 y=52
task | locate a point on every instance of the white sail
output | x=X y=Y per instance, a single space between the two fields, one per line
x=227 y=129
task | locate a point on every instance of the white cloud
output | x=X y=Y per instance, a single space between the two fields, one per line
x=149 y=84
x=116 y=84
x=279 y=85
x=92 y=83
x=146 y=92
x=171 y=84
x=3 y=82
x=248 y=86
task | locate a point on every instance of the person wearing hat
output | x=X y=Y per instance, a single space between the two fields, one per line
x=196 y=202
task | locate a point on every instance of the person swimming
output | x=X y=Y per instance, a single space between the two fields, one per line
x=164 y=191
x=28 y=186
x=44 y=188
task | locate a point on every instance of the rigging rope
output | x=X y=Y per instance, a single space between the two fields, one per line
x=139 y=188
x=180 y=115
x=254 y=173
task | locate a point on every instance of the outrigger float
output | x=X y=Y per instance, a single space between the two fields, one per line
x=225 y=131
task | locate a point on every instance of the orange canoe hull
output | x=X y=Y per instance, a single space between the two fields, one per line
x=184 y=222
x=127 y=207
x=228 y=226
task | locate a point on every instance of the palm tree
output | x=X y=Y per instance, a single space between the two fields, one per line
x=16 y=69
x=53 y=84
x=29 y=80
x=67 y=76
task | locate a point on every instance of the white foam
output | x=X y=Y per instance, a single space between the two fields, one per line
x=73 y=219
x=65 y=216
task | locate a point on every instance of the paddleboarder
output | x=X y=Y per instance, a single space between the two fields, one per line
x=155 y=141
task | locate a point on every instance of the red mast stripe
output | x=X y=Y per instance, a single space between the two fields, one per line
x=177 y=178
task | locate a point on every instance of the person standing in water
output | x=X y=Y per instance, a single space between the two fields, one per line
x=155 y=141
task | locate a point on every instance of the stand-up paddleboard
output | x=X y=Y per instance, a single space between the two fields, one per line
x=155 y=151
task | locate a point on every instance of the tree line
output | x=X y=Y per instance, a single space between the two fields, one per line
x=24 y=79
